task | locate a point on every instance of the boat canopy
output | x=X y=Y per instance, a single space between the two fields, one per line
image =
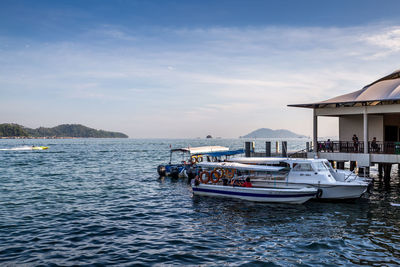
x=225 y=153
x=258 y=160
x=240 y=166
x=271 y=161
x=200 y=149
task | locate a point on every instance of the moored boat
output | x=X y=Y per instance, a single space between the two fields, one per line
x=40 y=147
x=188 y=157
x=257 y=194
x=318 y=173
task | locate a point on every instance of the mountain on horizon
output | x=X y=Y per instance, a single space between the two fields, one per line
x=269 y=133
x=63 y=130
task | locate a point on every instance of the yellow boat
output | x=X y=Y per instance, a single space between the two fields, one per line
x=40 y=147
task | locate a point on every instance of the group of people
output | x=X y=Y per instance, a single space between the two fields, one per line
x=327 y=146
x=374 y=144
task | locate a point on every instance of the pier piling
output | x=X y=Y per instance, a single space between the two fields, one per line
x=284 y=149
x=268 y=149
x=352 y=165
x=380 y=171
x=340 y=165
x=387 y=167
x=398 y=170
x=247 y=149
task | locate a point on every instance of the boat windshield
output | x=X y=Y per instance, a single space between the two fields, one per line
x=321 y=166
x=302 y=167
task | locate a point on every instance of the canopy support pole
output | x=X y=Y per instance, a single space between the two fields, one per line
x=315 y=130
x=365 y=130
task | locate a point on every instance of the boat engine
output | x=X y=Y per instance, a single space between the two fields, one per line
x=191 y=173
x=174 y=172
x=161 y=170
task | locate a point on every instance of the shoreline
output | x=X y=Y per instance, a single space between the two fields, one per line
x=51 y=137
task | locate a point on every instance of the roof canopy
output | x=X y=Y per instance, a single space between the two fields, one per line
x=240 y=166
x=201 y=149
x=225 y=153
x=383 y=91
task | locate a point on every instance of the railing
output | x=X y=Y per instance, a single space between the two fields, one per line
x=351 y=147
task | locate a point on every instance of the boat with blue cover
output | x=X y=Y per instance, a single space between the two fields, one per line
x=188 y=157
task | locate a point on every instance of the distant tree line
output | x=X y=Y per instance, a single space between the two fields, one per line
x=64 y=130
x=10 y=129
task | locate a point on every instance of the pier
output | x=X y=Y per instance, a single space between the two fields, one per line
x=369 y=127
x=369 y=130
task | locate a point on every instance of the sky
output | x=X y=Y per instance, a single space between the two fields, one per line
x=186 y=69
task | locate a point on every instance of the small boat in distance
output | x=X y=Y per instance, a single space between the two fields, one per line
x=40 y=147
x=25 y=148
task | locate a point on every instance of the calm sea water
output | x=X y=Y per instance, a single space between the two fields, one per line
x=100 y=202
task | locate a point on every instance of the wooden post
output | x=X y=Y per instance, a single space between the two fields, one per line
x=268 y=149
x=398 y=170
x=365 y=130
x=387 y=167
x=307 y=146
x=315 y=130
x=284 y=149
x=247 y=149
x=340 y=165
x=352 y=165
x=380 y=171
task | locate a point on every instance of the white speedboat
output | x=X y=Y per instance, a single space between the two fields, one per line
x=318 y=173
x=258 y=194
x=221 y=179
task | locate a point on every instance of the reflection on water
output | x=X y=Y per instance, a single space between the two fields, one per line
x=100 y=202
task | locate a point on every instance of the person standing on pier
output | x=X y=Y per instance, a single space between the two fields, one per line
x=355 y=143
x=374 y=145
x=328 y=146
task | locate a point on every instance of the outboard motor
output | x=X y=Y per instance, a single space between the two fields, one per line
x=161 y=170
x=191 y=173
x=174 y=172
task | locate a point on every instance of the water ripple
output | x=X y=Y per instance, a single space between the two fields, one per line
x=100 y=202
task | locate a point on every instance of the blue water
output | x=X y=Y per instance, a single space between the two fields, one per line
x=89 y=201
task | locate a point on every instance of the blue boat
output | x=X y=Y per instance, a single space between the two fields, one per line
x=190 y=156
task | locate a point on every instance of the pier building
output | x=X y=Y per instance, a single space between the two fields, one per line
x=369 y=126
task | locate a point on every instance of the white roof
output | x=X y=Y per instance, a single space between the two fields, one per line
x=239 y=166
x=201 y=149
x=257 y=160
x=383 y=89
x=261 y=160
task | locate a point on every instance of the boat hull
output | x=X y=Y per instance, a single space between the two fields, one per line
x=40 y=148
x=338 y=191
x=272 y=195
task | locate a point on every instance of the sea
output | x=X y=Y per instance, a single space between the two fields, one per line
x=100 y=202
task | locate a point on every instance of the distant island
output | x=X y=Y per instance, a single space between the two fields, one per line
x=11 y=130
x=269 y=133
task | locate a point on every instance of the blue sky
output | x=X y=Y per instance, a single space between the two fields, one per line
x=189 y=68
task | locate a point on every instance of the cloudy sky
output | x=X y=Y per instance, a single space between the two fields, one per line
x=189 y=68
